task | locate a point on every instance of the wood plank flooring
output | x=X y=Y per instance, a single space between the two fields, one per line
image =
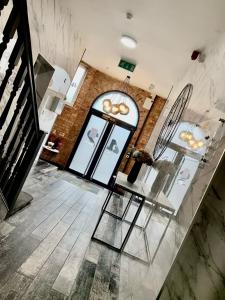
x=46 y=250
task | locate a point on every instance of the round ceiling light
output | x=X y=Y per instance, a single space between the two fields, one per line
x=128 y=41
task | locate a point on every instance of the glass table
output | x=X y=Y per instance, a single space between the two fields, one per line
x=139 y=195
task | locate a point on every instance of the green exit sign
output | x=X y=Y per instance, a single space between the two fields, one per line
x=127 y=65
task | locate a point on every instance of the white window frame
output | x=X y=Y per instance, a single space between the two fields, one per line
x=71 y=103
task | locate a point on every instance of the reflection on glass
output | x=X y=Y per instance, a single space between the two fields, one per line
x=182 y=181
x=177 y=184
x=191 y=137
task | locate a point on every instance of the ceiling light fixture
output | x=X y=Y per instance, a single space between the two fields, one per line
x=128 y=41
x=120 y=107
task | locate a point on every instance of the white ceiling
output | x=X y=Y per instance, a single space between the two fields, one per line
x=167 y=32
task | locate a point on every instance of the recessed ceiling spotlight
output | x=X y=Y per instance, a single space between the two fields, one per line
x=128 y=41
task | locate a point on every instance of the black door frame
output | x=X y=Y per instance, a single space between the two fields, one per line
x=102 y=142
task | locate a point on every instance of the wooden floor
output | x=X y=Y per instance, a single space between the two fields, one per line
x=46 y=250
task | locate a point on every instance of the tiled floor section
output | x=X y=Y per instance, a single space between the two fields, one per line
x=46 y=251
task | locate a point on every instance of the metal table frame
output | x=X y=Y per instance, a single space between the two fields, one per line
x=169 y=211
x=142 y=198
x=137 y=197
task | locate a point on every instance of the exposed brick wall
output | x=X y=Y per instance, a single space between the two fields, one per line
x=70 y=122
x=146 y=131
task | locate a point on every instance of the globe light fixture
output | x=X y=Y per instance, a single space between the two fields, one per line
x=186 y=136
x=200 y=144
x=191 y=143
x=183 y=135
x=115 y=109
x=189 y=136
x=109 y=105
x=124 y=109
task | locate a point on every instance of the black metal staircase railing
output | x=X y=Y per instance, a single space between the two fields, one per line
x=20 y=136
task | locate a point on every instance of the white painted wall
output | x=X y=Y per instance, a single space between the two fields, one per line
x=208 y=98
x=54 y=35
x=206 y=106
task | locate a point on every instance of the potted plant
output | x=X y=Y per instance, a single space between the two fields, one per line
x=141 y=157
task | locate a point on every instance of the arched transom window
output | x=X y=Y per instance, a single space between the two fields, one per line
x=119 y=105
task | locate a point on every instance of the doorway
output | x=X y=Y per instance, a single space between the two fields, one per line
x=103 y=139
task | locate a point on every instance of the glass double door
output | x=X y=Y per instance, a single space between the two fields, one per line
x=99 y=150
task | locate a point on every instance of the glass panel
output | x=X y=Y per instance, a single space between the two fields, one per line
x=111 y=154
x=178 y=183
x=152 y=179
x=128 y=113
x=182 y=181
x=112 y=231
x=76 y=84
x=88 y=144
x=191 y=137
